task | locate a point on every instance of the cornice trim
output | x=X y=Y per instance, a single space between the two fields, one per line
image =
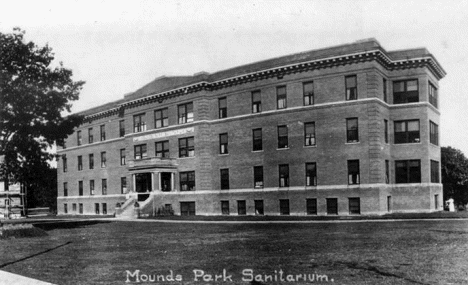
x=376 y=54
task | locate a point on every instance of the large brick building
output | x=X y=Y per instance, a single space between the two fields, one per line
x=351 y=129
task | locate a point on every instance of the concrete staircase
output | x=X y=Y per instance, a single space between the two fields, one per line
x=128 y=210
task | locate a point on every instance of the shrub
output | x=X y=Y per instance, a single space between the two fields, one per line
x=20 y=231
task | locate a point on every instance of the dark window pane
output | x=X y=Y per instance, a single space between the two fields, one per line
x=283 y=175
x=354 y=205
x=284 y=207
x=311 y=205
x=332 y=206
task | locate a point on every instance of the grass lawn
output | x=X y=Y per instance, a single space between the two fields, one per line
x=381 y=252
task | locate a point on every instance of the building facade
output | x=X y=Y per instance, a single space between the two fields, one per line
x=345 y=130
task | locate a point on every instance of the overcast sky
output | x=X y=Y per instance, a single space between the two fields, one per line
x=119 y=46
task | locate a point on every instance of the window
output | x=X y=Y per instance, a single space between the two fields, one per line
x=258 y=207
x=353 y=172
x=122 y=128
x=308 y=90
x=65 y=208
x=386 y=131
x=405 y=91
x=258 y=176
x=74 y=207
x=257 y=139
x=387 y=172
x=187 y=181
x=224 y=179
x=81 y=208
x=332 y=206
x=435 y=171
x=284 y=206
x=140 y=151
x=103 y=159
x=281 y=97
x=222 y=105
x=185 y=113
x=102 y=130
x=91 y=187
x=283 y=175
x=161 y=118
x=186 y=147
x=90 y=135
x=241 y=208
x=354 y=206
x=80 y=188
x=351 y=87
x=104 y=187
x=282 y=136
x=123 y=185
x=91 y=161
x=407 y=132
x=407 y=171
x=311 y=174
x=311 y=206
x=104 y=208
x=162 y=149
x=433 y=95
x=225 y=207
x=96 y=208
x=433 y=133
x=352 y=130
x=187 y=208
x=78 y=138
x=80 y=162
x=65 y=189
x=436 y=201
x=223 y=143
x=64 y=162
x=123 y=157
x=389 y=203
x=385 y=96
x=309 y=134
x=256 y=101
x=139 y=124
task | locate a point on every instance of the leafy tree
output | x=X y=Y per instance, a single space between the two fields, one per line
x=454 y=175
x=33 y=96
x=44 y=189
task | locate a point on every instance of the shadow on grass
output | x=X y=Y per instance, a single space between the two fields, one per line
x=374 y=269
x=34 y=255
x=53 y=225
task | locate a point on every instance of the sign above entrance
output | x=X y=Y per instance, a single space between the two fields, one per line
x=164 y=134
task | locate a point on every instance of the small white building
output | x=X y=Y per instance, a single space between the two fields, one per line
x=11 y=203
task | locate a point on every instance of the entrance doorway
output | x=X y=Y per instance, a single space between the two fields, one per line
x=166 y=181
x=143 y=185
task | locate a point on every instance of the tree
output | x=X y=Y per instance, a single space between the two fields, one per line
x=454 y=175
x=33 y=96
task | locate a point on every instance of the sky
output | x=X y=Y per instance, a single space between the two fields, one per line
x=119 y=46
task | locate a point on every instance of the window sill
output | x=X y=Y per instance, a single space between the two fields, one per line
x=310 y=146
x=351 y=143
x=415 y=143
x=254 y=151
x=223 y=154
x=284 y=148
x=185 y=157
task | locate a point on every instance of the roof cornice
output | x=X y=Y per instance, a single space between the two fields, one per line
x=280 y=71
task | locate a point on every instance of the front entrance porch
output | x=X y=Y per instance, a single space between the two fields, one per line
x=156 y=180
